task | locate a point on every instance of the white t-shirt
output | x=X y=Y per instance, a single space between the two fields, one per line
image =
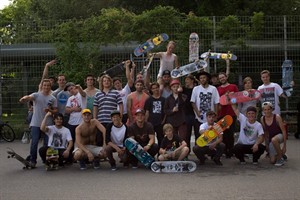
x=76 y=101
x=271 y=94
x=205 y=100
x=124 y=93
x=249 y=132
x=166 y=63
x=205 y=126
x=58 y=137
x=117 y=135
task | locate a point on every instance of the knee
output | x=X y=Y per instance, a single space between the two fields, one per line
x=185 y=149
x=161 y=158
x=78 y=155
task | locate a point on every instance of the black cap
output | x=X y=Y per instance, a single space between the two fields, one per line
x=204 y=73
x=115 y=112
x=166 y=72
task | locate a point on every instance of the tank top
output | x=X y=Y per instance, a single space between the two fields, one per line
x=166 y=63
x=273 y=129
x=137 y=103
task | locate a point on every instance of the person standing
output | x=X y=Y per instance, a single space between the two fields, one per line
x=90 y=91
x=43 y=102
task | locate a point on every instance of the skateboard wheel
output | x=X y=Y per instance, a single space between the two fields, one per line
x=233 y=100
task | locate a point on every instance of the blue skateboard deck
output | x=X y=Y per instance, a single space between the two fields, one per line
x=287 y=77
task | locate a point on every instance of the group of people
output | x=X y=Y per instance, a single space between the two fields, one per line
x=91 y=124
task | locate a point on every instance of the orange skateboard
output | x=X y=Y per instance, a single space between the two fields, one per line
x=214 y=132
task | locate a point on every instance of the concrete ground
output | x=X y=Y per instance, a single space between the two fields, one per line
x=230 y=181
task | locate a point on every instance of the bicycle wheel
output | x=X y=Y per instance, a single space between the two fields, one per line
x=8 y=133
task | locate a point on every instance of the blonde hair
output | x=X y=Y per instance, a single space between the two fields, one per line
x=265 y=72
x=100 y=80
x=247 y=79
x=167 y=126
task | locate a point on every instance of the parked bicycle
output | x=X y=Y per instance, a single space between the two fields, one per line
x=7 y=132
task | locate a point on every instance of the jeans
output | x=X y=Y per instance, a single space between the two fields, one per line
x=201 y=151
x=191 y=122
x=36 y=135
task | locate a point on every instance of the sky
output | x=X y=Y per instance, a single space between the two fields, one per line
x=4 y=3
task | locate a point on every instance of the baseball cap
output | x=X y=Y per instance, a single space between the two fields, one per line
x=139 y=110
x=115 y=112
x=267 y=104
x=175 y=81
x=166 y=72
x=68 y=85
x=251 y=108
x=86 y=111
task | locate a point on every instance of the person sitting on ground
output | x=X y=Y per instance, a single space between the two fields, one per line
x=216 y=147
x=116 y=133
x=251 y=135
x=59 y=137
x=172 y=146
x=86 y=141
x=275 y=134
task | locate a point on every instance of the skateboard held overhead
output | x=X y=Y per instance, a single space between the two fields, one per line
x=224 y=56
x=116 y=70
x=287 y=77
x=193 y=47
x=240 y=97
x=138 y=151
x=214 y=132
x=189 y=68
x=173 y=166
x=150 y=44
x=13 y=154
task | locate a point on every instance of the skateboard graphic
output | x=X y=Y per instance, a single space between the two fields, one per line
x=287 y=77
x=189 y=68
x=116 y=70
x=13 y=154
x=224 y=56
x=193 y=47
x=138 y=151
x=51 y=159
x=214 y=132
x=150 y=44
x=240 y=97
x=173 y=166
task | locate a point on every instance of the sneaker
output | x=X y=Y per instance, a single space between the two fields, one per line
x=217 y=161
x=284 y=157
x=82 y=165
x=32 y=165
x=134 y=166
x=242 y=162
x=279 y=162
x=96 y=164
x=113 y=168
x=255 y=163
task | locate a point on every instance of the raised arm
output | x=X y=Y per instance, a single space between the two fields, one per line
x=44 y=128
x=46 y=72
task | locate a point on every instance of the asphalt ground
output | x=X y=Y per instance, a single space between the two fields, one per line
x=230 y=181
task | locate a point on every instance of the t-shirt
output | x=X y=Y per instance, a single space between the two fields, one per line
x=40 y=103
x=76 y=101
x=271 y=94
x=58 y=137
x=188 y=105
x=205 y=127
x=205 y=100
x=155 y=108
x=226 y=109
x=249 y=132
x=116 y=135
x=62 y=99
x=171 y=145
x=141 y=135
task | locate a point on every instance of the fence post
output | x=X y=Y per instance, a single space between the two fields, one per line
x=214 y=38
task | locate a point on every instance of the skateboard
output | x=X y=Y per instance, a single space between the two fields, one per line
x=145 y=69
x=223 y=56
x=150 y=44
x=287 y=77
x=189 y=68
x=51 y=159
x=13 y=154
x=173 y=166
x=240 y=97
x=138 y=151
x=216 y=129
x=193 y=47
x=116 y=70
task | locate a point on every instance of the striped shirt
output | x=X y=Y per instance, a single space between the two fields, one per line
x=106 y=103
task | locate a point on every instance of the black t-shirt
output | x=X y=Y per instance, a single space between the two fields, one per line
x=171 y=145
x=188 y=105
x=141 y=135
x=155 y=108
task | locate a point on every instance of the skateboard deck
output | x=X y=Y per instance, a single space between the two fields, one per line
x=116 y=70
x=150 y=44
x=210 y=134
x=224 y=56
x=239 y=97
x=189 y=68
x=287 y=77
x=51 y=159
x=138 y=151
x=13 y=154
x=193 y=47
x=173 y=166
x=145 y=69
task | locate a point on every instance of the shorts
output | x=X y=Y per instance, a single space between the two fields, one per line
x=177 y=155
x=95 y=150
x=272 y=150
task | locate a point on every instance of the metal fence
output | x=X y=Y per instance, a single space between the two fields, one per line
x=22 y=62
